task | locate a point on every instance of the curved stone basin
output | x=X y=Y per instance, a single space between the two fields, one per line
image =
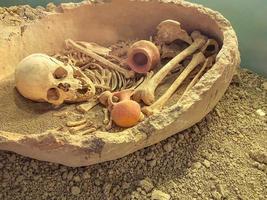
x=106 y=24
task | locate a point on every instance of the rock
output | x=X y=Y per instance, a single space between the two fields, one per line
x=167 y=147
x=260 y=112
x=125 y=185
x=152 y=163
x=216 y=195
x=12 y=158
x=85 y=175
x=75 y=190
x=30 y=15
x=146 y=185
x=51 y=7
x=70 y=175
x=196 y=165
x=159 y=195
x=76 y=179
x=264 y=85
x=259 y=156
x=206 y=163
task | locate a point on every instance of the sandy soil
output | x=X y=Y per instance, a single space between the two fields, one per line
x=222 y=157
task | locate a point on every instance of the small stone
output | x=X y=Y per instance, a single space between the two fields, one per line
x=264 y=85
x=146 y=185
x=260 y=112
x=159 y=195
x=30 y=15
x=75 y=190
x=167 y=147
x=216 y=195
x=97 y=182
x=259 y=156
x=70 y=175
x=12 y=158
x=196 y=129
x=19 y=179
x=85 y=175
x=152 y=163
x=196 y=165
x=149 y=156
x=206 y=163
x=125 y=185
x=51 y=7
x=76 y=179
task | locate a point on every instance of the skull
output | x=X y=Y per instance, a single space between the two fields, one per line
x=41 y=78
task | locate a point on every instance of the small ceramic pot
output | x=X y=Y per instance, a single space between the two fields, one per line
x=143 y=56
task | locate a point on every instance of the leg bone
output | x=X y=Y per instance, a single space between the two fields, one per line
x=157 y=106
x=146 y=90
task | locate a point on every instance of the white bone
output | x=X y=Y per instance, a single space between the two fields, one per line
x=99 y=58
x=76 y=123
x=157 y=105
x=146 y=90
x=170 y=30
x=45 y=79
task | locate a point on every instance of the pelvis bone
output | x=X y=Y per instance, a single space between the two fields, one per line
x=42 y=78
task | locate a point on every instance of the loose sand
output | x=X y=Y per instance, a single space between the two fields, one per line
x=222 y=157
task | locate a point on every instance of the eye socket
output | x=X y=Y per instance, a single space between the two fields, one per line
x=60 y=73
x=53 y=94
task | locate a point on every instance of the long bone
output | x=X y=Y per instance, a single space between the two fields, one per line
x=74 y=45
x=157 y=106
x=208 y=63
x=146 y=91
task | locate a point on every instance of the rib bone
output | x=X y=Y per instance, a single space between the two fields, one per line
x=146 y=90
x=157 y=106
x=102 y=60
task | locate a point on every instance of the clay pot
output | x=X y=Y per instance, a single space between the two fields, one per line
x=126 y=112
x=143 y=56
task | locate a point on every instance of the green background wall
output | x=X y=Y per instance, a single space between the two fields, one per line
x=249 y=23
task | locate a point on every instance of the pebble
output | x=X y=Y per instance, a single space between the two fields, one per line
x=260 y=112
x=85 y=175
x=75 y=190
x=70 y=175
x=206 y=163
x=216 y=195
x=146 y=185
x=264 y=85
x=196 y=165
x=76 y=179
x=159 y=195
x=167 y=147
x=12 y=158
x=152 y=163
